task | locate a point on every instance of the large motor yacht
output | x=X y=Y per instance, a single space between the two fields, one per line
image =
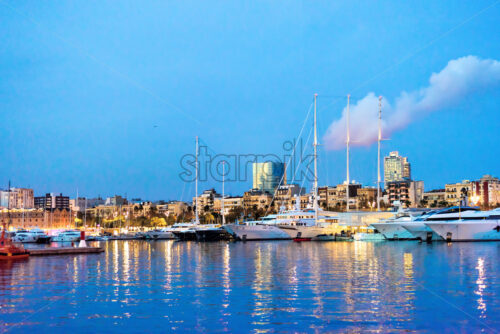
x=393 y=228
x=470 y=225
x=421 y=231
x=264 y=229
x=35 y=235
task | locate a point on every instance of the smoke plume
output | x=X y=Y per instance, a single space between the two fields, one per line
x=460 y=77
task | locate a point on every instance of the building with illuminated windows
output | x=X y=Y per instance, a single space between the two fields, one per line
x=396 y=168
x=267 y=175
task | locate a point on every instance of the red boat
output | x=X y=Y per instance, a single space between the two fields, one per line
x=301 y=239
x=9 y=250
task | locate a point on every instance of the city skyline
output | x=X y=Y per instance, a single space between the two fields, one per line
x=114 y=115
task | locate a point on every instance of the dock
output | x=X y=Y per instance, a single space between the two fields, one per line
x=65 y=251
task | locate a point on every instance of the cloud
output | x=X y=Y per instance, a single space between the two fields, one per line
x=460 y=78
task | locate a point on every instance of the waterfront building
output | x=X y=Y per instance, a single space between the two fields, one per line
x=409 y=193
x=396 y=168
x=206 y=200
x=52 y=201
x=456 y=192
x=230 y=203
x=175 y=208
x=367 y=197
x=256 y=199
x=285 y=196
x=334 y=198
x=267 y=175
x=42 y=218
x=486 y=191
x=434 y=198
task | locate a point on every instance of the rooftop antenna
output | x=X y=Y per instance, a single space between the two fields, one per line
x=348 y=139
x=315 y=202
x=197 y=217
x=222 y=202
x=378 y=153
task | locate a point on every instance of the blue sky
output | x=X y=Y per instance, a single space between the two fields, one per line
x=108 y=96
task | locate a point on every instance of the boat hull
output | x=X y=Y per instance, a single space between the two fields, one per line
x=308 y=232
x=369 y=237
x=9 y=256
x=393 y=231
x=420 y=231
x=256 y=232
x=160 y=235
x=467 y=230
x=185 y=235
x=212 y=235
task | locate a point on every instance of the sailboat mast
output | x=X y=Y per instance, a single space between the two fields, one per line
x=197 y=218
x=222 y=202
x=378 y=153
x=315 y=203
x=348 y=139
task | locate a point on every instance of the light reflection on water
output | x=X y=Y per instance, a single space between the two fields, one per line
x=258 y=287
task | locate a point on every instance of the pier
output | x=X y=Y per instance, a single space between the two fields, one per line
x=65 y=251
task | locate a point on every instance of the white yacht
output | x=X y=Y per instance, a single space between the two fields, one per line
x=392 y=229
x=421 y=231
x=264 y=229
x=160 y=233
x=187 y=231
x=35 y=235
x=302 y=224
x=467 y=225
x=67 y=236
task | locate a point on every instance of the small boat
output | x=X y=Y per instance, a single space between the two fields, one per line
x=67 y=236
x=299 y=239
x=160 y=234
x=36 y=235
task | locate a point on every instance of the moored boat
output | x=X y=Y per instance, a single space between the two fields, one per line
x=468 y=226
x=67 y=236
x=160 y=234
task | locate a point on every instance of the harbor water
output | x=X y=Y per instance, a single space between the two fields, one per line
x=282 y=286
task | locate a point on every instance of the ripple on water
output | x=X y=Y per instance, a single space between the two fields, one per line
x=258 y=287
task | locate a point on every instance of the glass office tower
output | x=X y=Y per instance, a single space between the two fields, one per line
x=267 y=175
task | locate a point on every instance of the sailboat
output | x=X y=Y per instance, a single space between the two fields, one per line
x=215 y=233
x=319 y=228
x=9 y=250
x=188 y=230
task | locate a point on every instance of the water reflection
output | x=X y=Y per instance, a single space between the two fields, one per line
x=481 y=286
x=261 y=287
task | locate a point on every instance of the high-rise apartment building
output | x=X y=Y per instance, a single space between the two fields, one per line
x=396 y=168
x=267 y=175
x=20 y=198
x=51 y=201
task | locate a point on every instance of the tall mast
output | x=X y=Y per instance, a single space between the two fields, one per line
x=8 y=205
x=315 y=202
x=222 y=202
x=197 y=218
x=378 y=153
x=348 y=139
